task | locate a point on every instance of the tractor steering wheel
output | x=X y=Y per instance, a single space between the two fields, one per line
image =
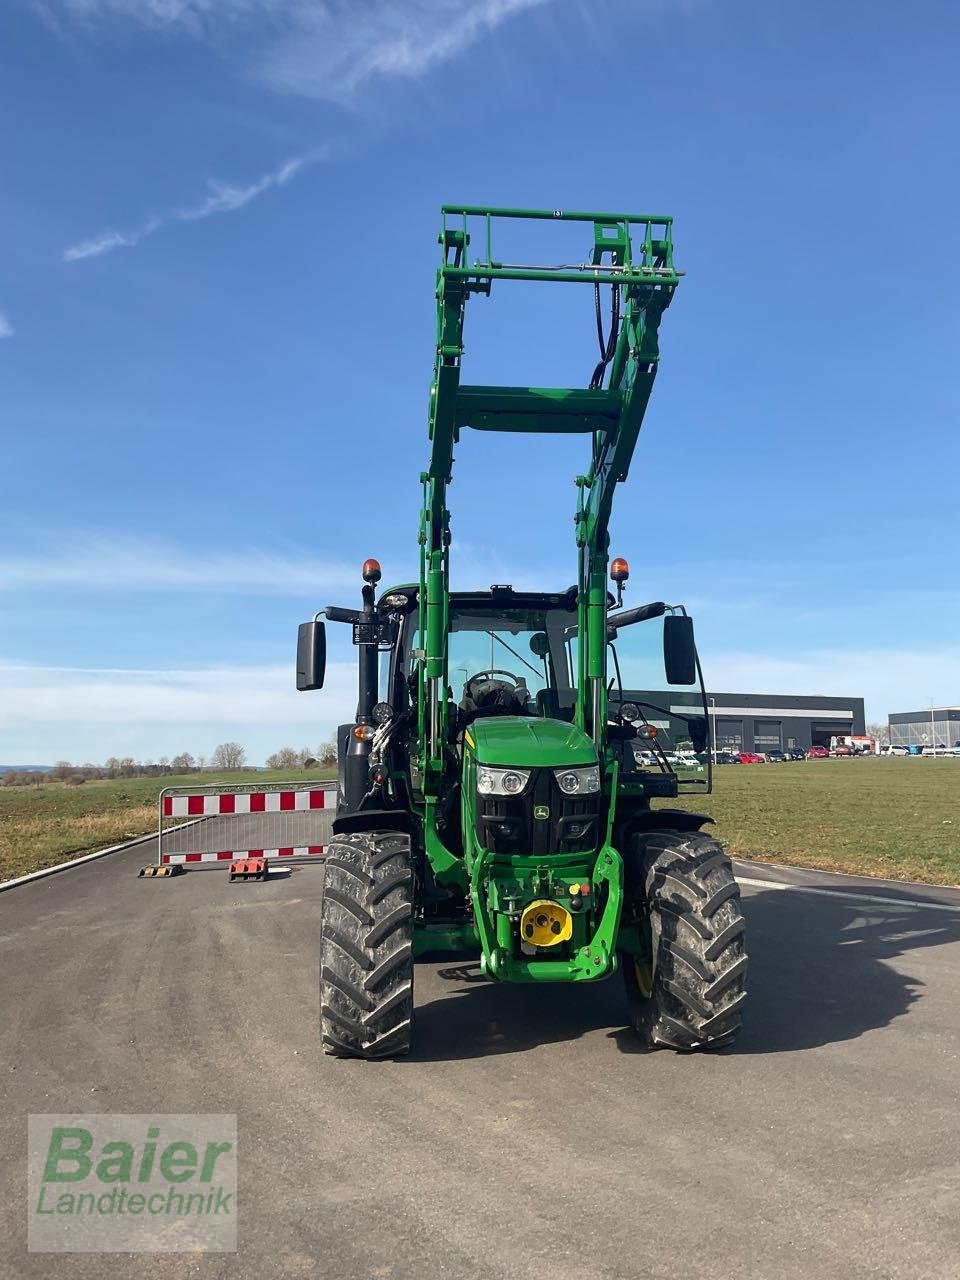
x=518 y=682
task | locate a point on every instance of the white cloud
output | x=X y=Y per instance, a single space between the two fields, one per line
x=49 y=713
x=110 y=564
x=223 y=198
x=6 y=328
x=337 y=48
x=887 y=679
x=318 y=48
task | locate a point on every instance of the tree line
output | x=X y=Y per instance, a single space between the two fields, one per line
x=226 y=757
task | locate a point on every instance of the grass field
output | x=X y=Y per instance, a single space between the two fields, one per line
x=41 y=826
x=894 y=817
x=897 y=817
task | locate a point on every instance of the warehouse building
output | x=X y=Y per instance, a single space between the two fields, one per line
x=935 y=727
x=763 y=722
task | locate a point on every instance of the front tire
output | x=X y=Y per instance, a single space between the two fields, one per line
x=691 y=992
x=366 y=946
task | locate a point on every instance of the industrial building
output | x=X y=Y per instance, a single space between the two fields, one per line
x=935 y=727
x=765 y=721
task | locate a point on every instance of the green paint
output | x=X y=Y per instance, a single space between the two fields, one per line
x=633 y=254
x=522 y=743
x=631 y=258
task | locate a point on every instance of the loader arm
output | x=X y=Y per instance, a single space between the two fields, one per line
x=633 y=256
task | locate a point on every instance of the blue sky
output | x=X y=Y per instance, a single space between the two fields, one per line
x=218 y=221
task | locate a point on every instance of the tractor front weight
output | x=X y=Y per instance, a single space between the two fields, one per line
x=526 y=908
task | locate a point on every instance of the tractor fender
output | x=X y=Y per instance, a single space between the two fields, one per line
x=390 y=820
x=668 y=819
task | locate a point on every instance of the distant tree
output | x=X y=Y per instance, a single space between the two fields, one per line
x=12 y=778
x=229 y=755
x=112 y=767
x=285 y=758
x=879 y=731
x=182 y=763
x=61 y=771
x=327 y=752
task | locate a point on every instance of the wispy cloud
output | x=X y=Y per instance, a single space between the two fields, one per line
x=6 y=328
x=317 y=48
x=222 y=198
x=336 y=48
x=96 y=563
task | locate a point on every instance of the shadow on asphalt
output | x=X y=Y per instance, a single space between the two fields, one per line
x=818 y=975
x=818 y=967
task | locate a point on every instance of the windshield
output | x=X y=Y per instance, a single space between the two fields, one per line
x=522 y=647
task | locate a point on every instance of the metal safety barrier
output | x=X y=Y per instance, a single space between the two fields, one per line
x=278 y=821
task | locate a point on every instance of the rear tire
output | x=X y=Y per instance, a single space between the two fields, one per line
x=366 y=946
x=690 y=995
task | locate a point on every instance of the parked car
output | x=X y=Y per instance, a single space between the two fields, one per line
x=818 y=753
x=841 y=750
x=796 y=753
x=890 y=750
x=725 y=757
x=777 y=757
x=750 y=757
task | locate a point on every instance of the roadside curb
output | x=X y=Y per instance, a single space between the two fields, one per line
x=87 y=857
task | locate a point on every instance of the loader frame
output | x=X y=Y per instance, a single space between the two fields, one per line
x=632 y=254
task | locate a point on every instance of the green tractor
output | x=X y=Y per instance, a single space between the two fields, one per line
x=496 y=787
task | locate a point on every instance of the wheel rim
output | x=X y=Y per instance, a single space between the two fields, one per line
x=643 y=972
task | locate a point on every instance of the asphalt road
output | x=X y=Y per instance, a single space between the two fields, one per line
x=527 y=1136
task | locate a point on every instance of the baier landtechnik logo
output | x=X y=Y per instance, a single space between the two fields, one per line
x=132 y=1183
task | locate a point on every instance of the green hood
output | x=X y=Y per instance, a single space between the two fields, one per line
x=527 y=743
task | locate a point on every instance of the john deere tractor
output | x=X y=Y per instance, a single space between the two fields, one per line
x=497 y=788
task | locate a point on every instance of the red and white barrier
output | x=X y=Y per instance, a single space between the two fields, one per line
x=228 y=855
x=282 y=822
x=246 y=802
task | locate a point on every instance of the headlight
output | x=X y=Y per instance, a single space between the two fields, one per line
x=501 y=782
x=395 y=600
x=579 y=782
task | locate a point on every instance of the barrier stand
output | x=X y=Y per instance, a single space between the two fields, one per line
x=247 y=827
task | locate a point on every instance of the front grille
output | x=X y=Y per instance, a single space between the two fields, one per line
x=506 y=824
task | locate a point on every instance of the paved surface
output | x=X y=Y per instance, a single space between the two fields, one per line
x=527 y=1136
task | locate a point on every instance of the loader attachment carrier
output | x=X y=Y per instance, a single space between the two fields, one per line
x=496 y=796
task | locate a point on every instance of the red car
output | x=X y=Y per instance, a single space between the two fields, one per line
x=818 y=753
x=750 y=757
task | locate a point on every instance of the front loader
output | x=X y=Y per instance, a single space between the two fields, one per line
x=496 y=795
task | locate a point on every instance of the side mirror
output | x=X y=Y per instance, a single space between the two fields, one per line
x=539 y=644
x=311 y=655
x=679 y=649
x=697 y=726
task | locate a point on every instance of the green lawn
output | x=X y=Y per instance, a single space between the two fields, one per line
x=41 y=826
x=893 y=817
x=897 y=817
